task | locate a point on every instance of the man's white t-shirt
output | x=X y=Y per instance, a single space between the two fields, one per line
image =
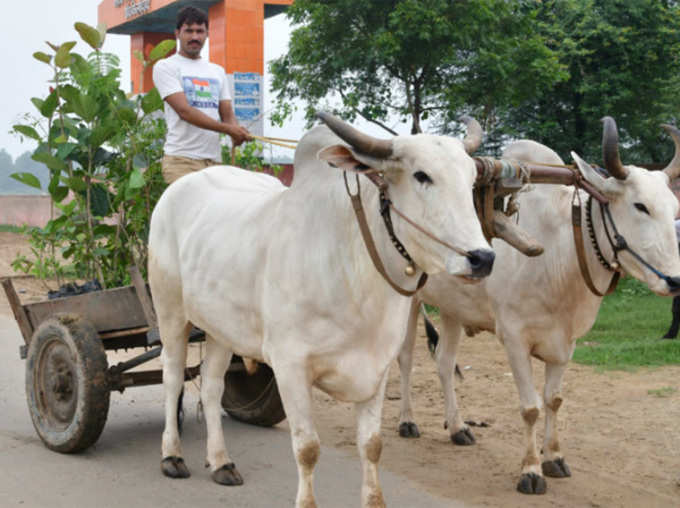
x=204 y=84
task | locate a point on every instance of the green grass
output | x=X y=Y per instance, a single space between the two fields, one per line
x=8 y=228
x=628 y=329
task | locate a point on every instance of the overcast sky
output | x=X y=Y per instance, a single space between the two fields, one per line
x=27 y=24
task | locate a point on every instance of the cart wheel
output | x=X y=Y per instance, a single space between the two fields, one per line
x=252 y=398
x=66 y=383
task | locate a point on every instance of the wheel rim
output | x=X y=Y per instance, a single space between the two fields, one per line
x=56 y=385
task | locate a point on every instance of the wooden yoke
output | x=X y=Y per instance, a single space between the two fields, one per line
x=498 y=178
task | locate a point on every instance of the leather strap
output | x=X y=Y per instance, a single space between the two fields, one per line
x=581 y=252
x=373 y=252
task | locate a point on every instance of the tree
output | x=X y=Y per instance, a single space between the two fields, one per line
x=623 y=59
x=413 y=58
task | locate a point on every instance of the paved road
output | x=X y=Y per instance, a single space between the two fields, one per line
x=122 y=469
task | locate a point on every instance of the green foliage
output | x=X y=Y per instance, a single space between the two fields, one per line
x=103 y=152
x=248 y=156
x=628 y=330
x=413 y=58
x=623 y=60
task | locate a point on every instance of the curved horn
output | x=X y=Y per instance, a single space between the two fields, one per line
x=474 y=135
x=673 y=168
x=610 y=149
x=363 y=143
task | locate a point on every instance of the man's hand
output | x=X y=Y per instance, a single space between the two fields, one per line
x=237 y=133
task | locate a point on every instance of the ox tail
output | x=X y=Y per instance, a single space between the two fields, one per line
x=433 y=338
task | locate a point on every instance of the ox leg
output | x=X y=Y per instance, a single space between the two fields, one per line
x=214 y=367
x=369 y=444
x=446 y=352
x=553 y=464
x=296 y=395
x=531 y=480
x=173 y=356
x=675 y=324
x=407 y=426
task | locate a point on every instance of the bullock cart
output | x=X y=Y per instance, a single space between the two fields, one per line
x=69 y=379
x=68 y=376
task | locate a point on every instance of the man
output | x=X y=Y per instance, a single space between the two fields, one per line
x=197 y=101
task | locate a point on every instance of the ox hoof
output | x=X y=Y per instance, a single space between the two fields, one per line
x=174 y=467
x=556 y=468
x=408 y=429
x=463 y=437
x=531 y=483
x=227 y=475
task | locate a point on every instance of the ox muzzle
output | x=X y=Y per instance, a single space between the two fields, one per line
x=481 y=262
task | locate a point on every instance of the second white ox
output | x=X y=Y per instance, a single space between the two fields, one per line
x=283 y=276
x=539 y=306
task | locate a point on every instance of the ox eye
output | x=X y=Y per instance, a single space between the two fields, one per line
x=642 y=208
x=422 y=177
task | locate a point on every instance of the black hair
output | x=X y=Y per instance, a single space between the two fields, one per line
x=191 y=15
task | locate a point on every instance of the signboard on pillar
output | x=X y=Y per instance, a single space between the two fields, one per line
x=248 y=101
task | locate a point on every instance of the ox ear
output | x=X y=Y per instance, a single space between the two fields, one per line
x=342 y=157
x=610 y=187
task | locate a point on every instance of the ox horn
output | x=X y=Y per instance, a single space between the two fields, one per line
x=610 y=149
x=673 y=168
x=363 y=143
x=474 y=135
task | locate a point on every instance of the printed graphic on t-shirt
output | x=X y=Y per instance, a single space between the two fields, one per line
x=201 y=92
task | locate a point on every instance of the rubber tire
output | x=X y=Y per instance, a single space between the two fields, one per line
x=252 y=399
x=88 y=402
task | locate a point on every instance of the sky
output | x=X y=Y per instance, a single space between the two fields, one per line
x=27 y=24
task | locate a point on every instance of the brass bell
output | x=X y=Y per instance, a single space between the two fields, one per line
x=410 y=270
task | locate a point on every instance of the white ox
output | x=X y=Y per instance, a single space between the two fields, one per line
x=282 y=276
x=539 y=306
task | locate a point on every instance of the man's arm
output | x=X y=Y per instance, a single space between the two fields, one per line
x=238 y=134
x=229 y=125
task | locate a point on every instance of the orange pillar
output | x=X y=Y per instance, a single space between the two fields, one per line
x=143 y=42
x=237 y=35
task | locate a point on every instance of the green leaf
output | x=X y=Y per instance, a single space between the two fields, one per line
x=127 y=115
x=63 y=56
x=43 y=57
x=101 y=134
x=99 y=200
x=77 y=184
x=161 y=49
x=53 y=46
x=69 y=93
x=79 y=66
x=136 y=179
x=65 y=149
x=28 y=179
x=152 y=101
x=49 y=105
x=89 y=34
x=50 y=161
x=138 y=55
x=27 y=131
x=37 y=103
x=59 y=193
